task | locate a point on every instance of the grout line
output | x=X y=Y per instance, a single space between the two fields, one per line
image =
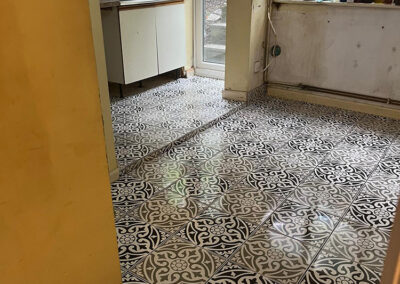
x=178 y=141
x=343 y=217
x=259 y=165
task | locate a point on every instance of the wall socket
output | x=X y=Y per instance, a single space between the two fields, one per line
x=257 y=66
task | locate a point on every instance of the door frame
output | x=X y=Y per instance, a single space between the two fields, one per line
x=202 y=68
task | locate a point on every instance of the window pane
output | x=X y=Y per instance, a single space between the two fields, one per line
x=214 y=31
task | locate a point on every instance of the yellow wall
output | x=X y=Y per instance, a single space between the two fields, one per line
x=56 y=220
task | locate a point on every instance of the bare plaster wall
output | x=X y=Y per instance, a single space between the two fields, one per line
x=245 y=36
x=348 y=49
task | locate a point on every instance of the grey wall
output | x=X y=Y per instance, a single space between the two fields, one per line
x=348 y=49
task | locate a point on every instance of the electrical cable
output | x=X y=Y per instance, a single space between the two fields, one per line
x=269 y=10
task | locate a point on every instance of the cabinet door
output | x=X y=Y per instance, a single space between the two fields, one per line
x=139 y=43
x=171 y=43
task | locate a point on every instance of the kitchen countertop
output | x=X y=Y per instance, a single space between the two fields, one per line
x=125 y=3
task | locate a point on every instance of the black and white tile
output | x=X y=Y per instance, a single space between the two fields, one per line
x=273 y=180
x=218 y=192
x=302 y=223
x=219 y=232
x=360 y=243
x=329 y=269
x=373 y=211
x=327 y=197
x=275 y=256
x=235 y=274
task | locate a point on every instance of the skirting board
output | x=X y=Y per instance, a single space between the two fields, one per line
x=114 y=175
x=353 y=104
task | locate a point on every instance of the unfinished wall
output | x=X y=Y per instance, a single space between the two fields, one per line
x=351 y=49
x=56 y=217
x=257 y=43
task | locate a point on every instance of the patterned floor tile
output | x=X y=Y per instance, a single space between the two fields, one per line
x=274 y=135
x=121 y=109
x=234 y=274
x=232 y=125
x=368 y=140
x=214 y=138
x=202 y=187
x=128 y=277
x=311 y=144
x=291 y=122
x=247 y=203
x=341 y=174
x=275 y=256
x=241 y=169
x=380 y=125
x=251 y=149
x=128 y=190
x=327 y=131
x=394 y=149
x=129 y=127
x=192 y=155
x=273 y=181
x=373 y=211
x=391 y=165
x=160 y=171
x=218 y=232
x=168 y=211
x=360 y=243
x=136 y=239
x=302 y=223
x=298 y=163
x=327 y=197
x=127 y=152
x=155 y=137
x=364 y=158
x=383 y=185
x=178 y=262
x=339 y=270
x=228 y=166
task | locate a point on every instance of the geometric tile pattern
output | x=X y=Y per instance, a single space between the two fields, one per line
x=276 y=192
x=157 y=117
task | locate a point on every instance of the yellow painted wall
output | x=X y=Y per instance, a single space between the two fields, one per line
x=56 y=220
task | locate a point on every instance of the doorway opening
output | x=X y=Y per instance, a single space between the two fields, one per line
x=210 y=38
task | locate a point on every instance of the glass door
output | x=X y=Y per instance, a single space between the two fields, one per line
x=210 y=37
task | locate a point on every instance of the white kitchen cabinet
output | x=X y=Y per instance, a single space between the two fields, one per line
x=170 y=25
x=139 y=43
x=142 y=42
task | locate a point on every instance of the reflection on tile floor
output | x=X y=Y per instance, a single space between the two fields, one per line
x=279 y=192
x=151 y=120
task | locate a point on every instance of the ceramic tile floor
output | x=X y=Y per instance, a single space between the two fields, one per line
x=279 y=192
x=152 y=119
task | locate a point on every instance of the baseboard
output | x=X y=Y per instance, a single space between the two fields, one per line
x=325 y=99
x=114 y=175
